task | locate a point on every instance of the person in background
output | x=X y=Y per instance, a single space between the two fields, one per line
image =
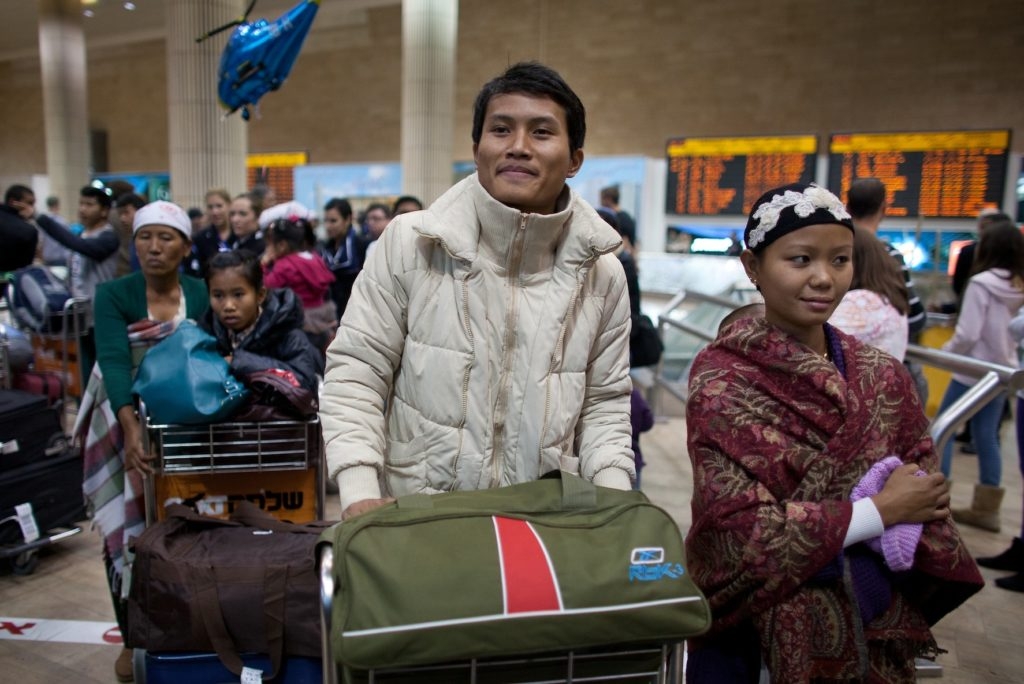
x=198 y=218
x=127 y=205
x=405 y=204
x=94 y=253
x=486 y=340
x=964 y=268
x=627 y=226
x=286 y=263
x=217 y=236
x=874 y=310
x=343 y=251
x=17 y=235
x=820 y=556
x=244 y=216
x=993 y=297
x=866 y=201
x=1012 y=559
x=377 y=218
x=257 y=329
x=132 y=313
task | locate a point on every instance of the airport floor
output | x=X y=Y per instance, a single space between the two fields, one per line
x=67 y=592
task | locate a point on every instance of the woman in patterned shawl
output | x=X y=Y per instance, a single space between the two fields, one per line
x=821 y=531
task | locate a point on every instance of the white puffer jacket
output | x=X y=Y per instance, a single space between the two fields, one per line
x=481 y=347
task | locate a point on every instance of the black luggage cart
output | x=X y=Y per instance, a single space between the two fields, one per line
x=646 y=664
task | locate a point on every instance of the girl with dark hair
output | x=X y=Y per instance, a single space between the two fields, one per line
x=821 y=533
x=257 y=329
x=994 y=294
x=287 y=263
x=875 y=309
x=343 y=251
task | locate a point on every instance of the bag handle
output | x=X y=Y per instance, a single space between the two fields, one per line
x=206 y=602
x=249 y=514
x=577 y=494
x=183 y=512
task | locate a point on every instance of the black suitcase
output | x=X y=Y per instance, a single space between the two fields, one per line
x=52 y=486
x=30 y=431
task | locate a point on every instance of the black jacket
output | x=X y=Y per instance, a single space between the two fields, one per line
x=18 y=238
x=277 y=341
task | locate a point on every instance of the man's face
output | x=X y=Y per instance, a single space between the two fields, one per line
x=523 y=156
x=376 y=221
x=26 y=206
x=90 y=212
x=126 y=215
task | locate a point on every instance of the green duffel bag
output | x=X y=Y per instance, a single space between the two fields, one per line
x=556 y=564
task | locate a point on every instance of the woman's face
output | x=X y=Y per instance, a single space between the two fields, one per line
x=160 y=249
x=244 y=221
x=803 y=276
x=217 y=210
x=336 y=226
x=235 y=302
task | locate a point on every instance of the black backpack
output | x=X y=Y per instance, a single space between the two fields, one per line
x=36 y=299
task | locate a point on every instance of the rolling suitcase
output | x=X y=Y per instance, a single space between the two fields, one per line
x=30 y=431
x=49 y=491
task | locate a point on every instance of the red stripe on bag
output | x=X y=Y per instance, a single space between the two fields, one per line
x=527 y=576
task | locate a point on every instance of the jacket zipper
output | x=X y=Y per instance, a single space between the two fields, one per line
x=508 y=357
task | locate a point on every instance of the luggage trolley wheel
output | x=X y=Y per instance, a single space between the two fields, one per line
x=25 y=563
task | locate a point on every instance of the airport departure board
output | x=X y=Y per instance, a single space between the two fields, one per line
x=946 y=174
x=724 y=176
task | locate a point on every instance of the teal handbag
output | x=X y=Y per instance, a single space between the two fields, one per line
x=184 y=380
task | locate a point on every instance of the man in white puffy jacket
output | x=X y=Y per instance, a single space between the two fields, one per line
x=486 y=341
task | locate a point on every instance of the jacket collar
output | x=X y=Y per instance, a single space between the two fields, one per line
x=470 y=223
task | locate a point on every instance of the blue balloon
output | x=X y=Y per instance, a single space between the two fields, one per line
x=260 y=54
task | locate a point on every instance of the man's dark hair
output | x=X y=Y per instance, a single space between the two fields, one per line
x=377 y=205
x=101 y=195
x=533 y=78
x=865 y=197
x=195 y=212
x=340 y=205
x=402 y=200
x=130 y=199
x=611 y=193
x=17 y=193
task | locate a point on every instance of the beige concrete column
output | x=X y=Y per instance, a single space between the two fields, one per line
x=429 y=33
x=206 y=150
x=65 y=105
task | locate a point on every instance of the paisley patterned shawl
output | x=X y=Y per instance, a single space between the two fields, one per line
x=778 y=438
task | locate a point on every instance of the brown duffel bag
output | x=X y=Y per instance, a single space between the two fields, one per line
x=244 y=585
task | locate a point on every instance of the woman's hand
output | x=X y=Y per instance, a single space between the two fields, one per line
x=134 y=455
x=911 y=498
x=363 y=506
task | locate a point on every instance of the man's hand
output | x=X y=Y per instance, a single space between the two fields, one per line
x=364 y=506
x=910 y=498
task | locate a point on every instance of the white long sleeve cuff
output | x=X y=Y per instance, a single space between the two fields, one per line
x=613 y=478
x=865 y=523
x=357 y=483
